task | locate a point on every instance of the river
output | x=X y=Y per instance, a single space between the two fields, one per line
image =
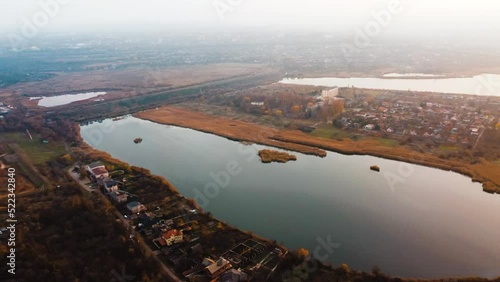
x=484 y=84
x=428 y=223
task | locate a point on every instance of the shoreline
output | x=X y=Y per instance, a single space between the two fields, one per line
x=89 y=151
x=484 y=172
x=262 y=137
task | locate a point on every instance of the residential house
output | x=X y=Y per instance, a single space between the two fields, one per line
x=173 y=237
x=135 y=207
x=217 y=268
x=369 y=127
x=118 y=197
x=233 y=275
x=97 y=170
x=109 y=184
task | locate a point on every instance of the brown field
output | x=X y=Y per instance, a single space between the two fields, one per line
x=130 y=81
x=231 y=129
x=485 y=172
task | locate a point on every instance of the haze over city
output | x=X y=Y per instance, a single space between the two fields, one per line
x=432 y=18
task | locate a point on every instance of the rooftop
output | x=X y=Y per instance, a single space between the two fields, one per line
x=95 y=165
x=171 y=233
x=133 y=204
x=99 y=170
x=216 y=266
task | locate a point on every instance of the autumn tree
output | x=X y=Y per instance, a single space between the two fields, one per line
x=302 y=252
x=296 y=110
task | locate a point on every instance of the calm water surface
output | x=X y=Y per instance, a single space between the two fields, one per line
x=485 y=84
x=60 y=100
x=432 y=223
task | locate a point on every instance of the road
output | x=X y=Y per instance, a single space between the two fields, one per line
x=477 y=140
x=147 y=250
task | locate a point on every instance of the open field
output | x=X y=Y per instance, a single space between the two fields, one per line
x=484 y=171
x=35 y=149
x=131 y=81
x=329 y=132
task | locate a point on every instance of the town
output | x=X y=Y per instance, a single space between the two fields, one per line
x=442 y=118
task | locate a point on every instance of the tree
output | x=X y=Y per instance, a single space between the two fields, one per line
x=302 y=252
x=66 y=159
x=83 y=173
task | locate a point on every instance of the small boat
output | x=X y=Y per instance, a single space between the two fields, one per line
x=375 y=168
x=137 y=140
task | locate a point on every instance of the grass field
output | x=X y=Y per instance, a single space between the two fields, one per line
x=387 y=142
x=329 y=132
x=445 y=148
x=35 y=149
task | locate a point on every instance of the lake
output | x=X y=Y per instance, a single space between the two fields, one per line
x=485 y=84
x=431 y=223
x=60 y=100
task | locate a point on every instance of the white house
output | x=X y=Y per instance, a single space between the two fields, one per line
x=369 y=127
x=328 y=94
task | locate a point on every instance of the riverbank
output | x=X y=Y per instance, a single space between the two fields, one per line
x=323 y=273
x=484 y=171
x=231 y=129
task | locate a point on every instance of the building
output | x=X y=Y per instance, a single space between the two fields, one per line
x=328 y=94
x=173 y=237
x=369 y=127
x=97 y=170
x=118 y=197
x=109 y=184
x=259 y=104
x=233 y=275
x=135 y=207
x=217 y=268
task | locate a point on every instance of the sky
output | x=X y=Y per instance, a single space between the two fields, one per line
x=426 y=16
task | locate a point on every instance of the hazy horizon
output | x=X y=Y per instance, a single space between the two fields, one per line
x=425 y=17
